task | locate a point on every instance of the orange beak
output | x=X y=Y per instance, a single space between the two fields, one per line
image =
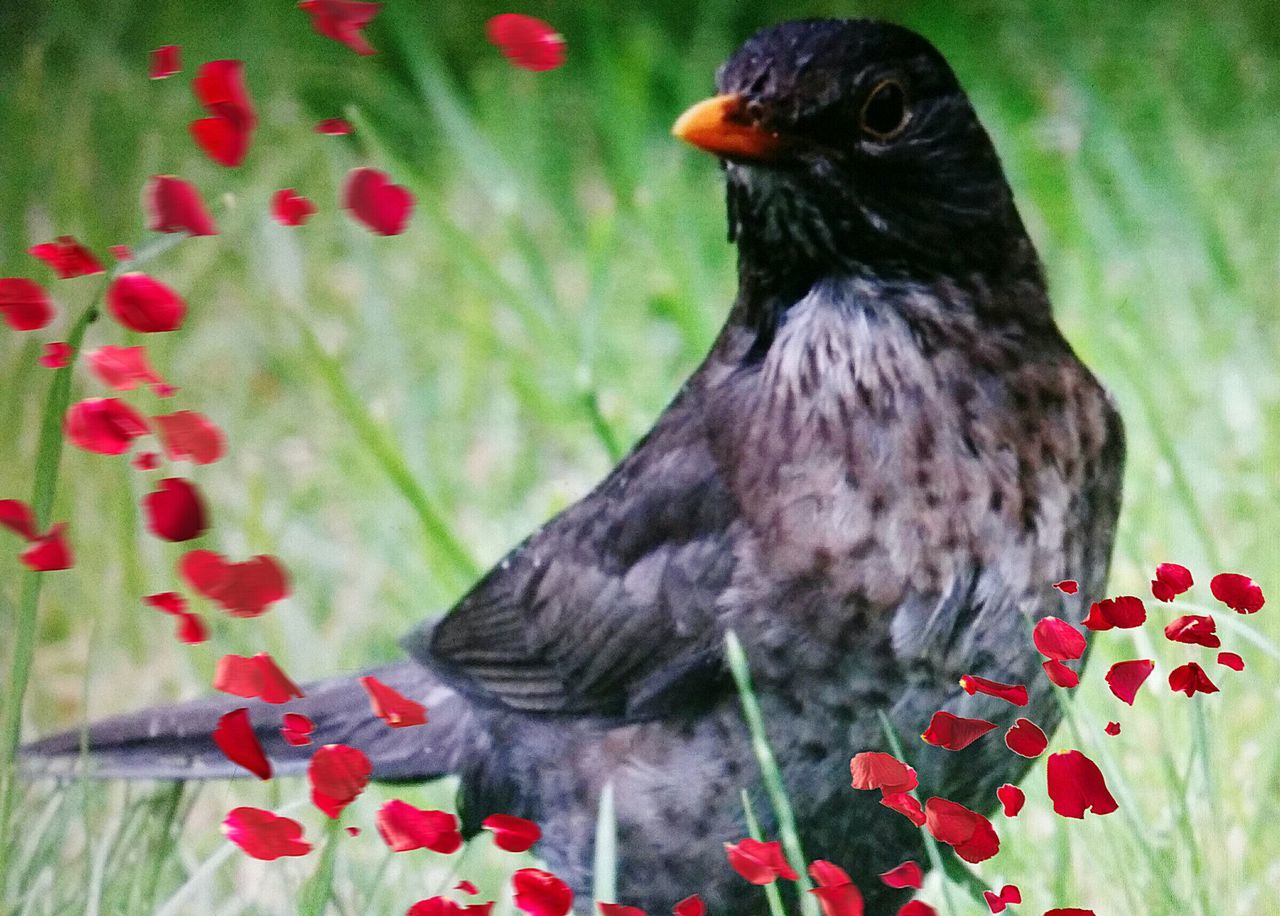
x=718 y=126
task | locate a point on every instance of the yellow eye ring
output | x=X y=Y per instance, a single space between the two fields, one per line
x=885 y=114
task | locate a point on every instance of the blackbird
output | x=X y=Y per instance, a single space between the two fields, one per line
x=885 y=460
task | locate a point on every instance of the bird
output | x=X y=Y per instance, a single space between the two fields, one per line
x=887 y=457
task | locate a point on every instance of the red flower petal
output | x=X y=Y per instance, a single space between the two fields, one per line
x=1190 y=679
x=514 y=834
x=905 y=804
x=917 y=908
x=56 y=354
x=391 y=706
x=1012 y=693
x=18 y=518
x=106 y=426
x=377 y=203
x=836 y=892
x=166 y=60
x=968 y=832
x=1124 y=612
x=146 y=461
x=174 y=205
x=435 y=906
x=1171 y=580
x=296 y=729
x=1193 y=629
x=404 y=827
x=234 y=735
x=874 y=770
x=175 y=510
x=1240 y=593
x=1124 y=678
x=142 y=303
x=24 y=305
x=258 y=676
x=243 y=589
x=619 y=909
x=121 y=252
x=1026 y=739
x=124 y=368
x=1067 y=586
x=759 y=863
x=289 y=208
x=342 y=21
x=467 y=887
x=529 y=43
x=50 y=552
x=264 y=835
x=1057 y=639
x=690 y=906
x=225 y=136
x=1076 y=785
x=1060 y=674
x=1008 y=894
x=1231 y=660
x=333 y=127
x=191 y=628
x=908 y=874
x=187 y=434
x=338 y=774
x=1113 y=728
x=1012 y=798
x=1069 y=911
x=953 y=732
x=67 y=257
x=541 y=893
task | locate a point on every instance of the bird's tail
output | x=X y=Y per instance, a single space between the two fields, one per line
x=175 y=742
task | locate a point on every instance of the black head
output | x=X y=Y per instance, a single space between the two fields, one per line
x=850 y=146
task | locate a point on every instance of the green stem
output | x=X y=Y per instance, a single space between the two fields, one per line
x=771 y=892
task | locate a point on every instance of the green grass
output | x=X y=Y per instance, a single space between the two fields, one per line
x=400 y=411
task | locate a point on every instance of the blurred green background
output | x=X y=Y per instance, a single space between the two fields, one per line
x=402 y=410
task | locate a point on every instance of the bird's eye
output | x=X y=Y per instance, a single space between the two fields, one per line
x=884 y=114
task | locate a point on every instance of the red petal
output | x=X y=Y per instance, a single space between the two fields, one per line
x=174 y=205
x=529 y=43
x=435 y=906
x=264 y=835
x=225 y=137
x=839 y=899
x=953 y=732
x=917 y=908
x=1060 y=674
x=1008 y=894
x=1012 y=798
x=392 y=707
x=175 y=510
x=146 y=461
x=49 y=553
x=1076 y=785
x=467 y=887
x=541 y=893
x=342 y=21
x=1012 y=693
x=259 y=677
x=404 y=827
x=1190 y=679
x=1113 y=728
x=1231 y=660
x=1171 y=580
x=289 y=208
x=124 y=368
x=1026 y=739
x=1124 y=678
x=1067 y=586
x=377 y=203
x=67 y=257
x=690 y=906
x=906 y=805
x=333 y=127
x=968 y=832
x=243 y=589
x=1069 y=911
x=18 y=518
x=1057 y=639
x=758 y=862
x=56 y=354
x=874 y=770
x=191 y=628
x=1193 y=629
x=121 y=252
x=166 y=60
x=103 y=425
x=24 y=305
x=338 y=774
x=1124 y=612
x=619 y=909
x=296 y=729
x=142 y=303
x=828 y=874
x=1240 y=593
x=187 y=434
x=235 y=737
x=514 y=834
x=908 y=874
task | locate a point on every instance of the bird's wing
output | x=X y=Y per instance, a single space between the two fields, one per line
x=609 y=610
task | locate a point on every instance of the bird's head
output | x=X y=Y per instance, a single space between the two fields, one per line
x=850 y=146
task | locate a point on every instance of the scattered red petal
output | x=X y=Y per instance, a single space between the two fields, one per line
x=174 y=205
x=1076 y=785
x=1012 y=798
x=1012 y=693
x=1124 y=612
x=1060 y=674
x=18 y=518
x=191 y=628
x=1067 y=586
x=968 y=832
x=175 y=510
x=1124 y=678
x=1240 y=593
x=435 y=906
x=690 y=906
x=1190 y=679
x=1008 y=894
x=264 y=835
x=56 y=354
x=953 y=732
x=289 y=208
x=166 y=60
x=908 y=874
x=225 y=136
x=351 y=831
x=106 y=426
x=121 y=252
x=67 y=257
x=235 y=737
x=905 y=804
x=836 y=892
x=514 y=834
x=917 y=908
x=374 y=201
x=333 y=127
x=50 y=552
x=1113 y=728
x=187 y=434
x=1171 y=580
x=1057 y=639
x=391 y=706
x=342 y=21
x=146 y=461
x=875 y=770
x=296 y=729
x=1193 y=629
x=243 y=589
x=541 y=893
x=24 y=305
x=619 y=909
x=404 y=827
x=1026 y=738
x=759 y=863
x=142 y=303
x=338 y=774
x=529 y=43
x=466 y=887
x=1069 y=911
x=1231 y=660
x=124 y=368
x=258 y=676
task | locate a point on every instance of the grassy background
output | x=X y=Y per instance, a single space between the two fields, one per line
x=565 y=269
